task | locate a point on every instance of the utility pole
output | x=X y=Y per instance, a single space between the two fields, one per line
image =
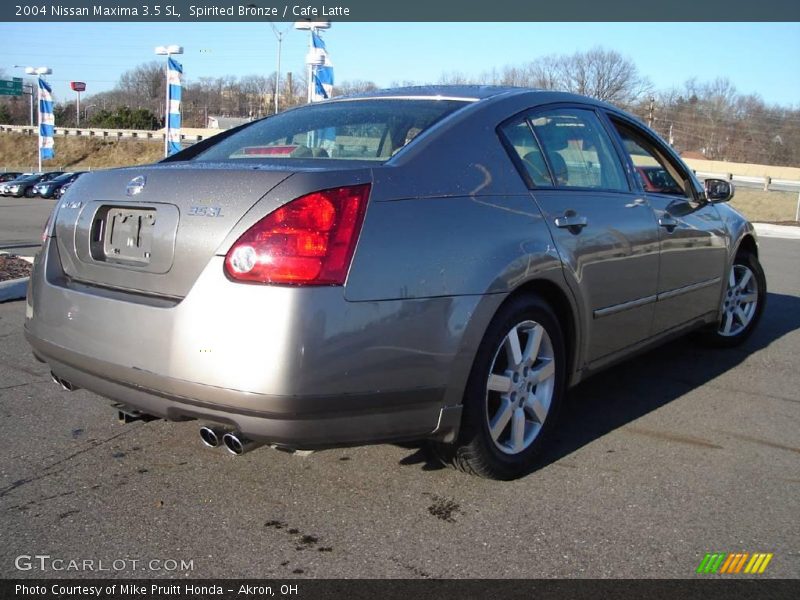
x=29 y=90
x=650 y=114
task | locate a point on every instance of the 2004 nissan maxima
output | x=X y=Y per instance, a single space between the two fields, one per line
x=437 y=263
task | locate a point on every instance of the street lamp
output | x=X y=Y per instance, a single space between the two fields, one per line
x=279 y=35
x=167 y=51
x=39 y=72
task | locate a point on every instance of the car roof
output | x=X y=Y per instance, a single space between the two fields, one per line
x=465 y=92
x=474 y=93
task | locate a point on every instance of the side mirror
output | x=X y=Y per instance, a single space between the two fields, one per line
x=718 y=190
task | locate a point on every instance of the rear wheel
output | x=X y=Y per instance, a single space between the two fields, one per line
x=742 y=304
x=513 y=394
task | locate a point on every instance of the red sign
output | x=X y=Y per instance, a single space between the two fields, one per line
x=77 y=86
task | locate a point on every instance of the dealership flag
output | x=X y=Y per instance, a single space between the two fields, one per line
x=46 y=120
x=321 y=74
x=174 y=72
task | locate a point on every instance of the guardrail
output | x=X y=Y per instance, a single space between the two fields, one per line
x=766 y=183
x=119 y=134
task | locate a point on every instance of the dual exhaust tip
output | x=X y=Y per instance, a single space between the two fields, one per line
x=234 y=442
x=65 y=385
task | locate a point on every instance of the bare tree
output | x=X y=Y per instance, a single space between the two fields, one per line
x=355 y=86
x=603 y=74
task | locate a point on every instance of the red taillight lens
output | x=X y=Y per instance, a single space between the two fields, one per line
x=309 y=241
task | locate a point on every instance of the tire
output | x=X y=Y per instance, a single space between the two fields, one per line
x=741 y=306
x=28 y=193
x=510 y=409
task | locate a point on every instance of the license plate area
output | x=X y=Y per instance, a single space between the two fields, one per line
x=139 y=237
x=123 y=235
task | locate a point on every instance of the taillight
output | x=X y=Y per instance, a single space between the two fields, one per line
x=309 y=241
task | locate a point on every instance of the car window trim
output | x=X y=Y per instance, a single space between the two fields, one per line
x=514 y=155
x=663 y=148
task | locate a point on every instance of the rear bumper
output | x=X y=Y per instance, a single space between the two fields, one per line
x=307 y=422
x=301 y=368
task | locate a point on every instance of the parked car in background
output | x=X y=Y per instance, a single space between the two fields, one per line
x=5 y=185
x=23 y=186
x=62 y=189
x=48 y=188
x=8 y=176
x=437 y=263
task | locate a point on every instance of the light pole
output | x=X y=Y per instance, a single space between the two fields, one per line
x=279 y=35
x=86 y=111
x=167 y=51
x=39 y=72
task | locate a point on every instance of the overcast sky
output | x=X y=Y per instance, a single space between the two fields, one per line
x=759 y=58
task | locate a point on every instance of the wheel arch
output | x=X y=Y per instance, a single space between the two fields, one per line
x=748 y=244
x=557 y=297
x=561 y=302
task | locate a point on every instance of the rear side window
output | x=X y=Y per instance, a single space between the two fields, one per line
x=372 y=129
x=579 y=150
x=520 y=137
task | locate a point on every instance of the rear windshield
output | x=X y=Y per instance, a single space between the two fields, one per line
x=354 y=129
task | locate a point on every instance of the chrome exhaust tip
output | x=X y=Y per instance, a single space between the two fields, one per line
x=65 y=385
x=237 y=444
x=212 y=435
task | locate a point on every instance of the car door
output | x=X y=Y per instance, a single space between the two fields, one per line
x=605 y=233
x=692 y=235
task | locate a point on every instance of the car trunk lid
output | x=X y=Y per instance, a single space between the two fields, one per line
x=153 y=229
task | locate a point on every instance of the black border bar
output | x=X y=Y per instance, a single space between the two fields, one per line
x=701 y=588
x=402 y=10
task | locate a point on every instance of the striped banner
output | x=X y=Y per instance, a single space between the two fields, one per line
x=46 y=121
x=322 y=74
x=174 y=72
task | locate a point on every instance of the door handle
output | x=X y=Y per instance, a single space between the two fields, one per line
x=668 y=223
x=572 y=222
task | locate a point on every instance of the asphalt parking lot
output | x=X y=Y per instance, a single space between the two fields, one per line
x=679 y=452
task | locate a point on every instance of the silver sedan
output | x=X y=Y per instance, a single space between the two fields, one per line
x=421 y=263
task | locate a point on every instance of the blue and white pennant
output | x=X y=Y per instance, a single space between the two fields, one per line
x=46 y=121
x=174 y=72
x=322 y=73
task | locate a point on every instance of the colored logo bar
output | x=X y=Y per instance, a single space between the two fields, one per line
x=733 y=563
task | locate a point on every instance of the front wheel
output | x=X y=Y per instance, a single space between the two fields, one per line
x=742 y=304
x=514 y=392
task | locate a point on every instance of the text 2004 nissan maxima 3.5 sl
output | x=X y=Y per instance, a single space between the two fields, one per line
x=438 y=263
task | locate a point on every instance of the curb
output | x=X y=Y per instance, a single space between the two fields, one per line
x=786 y=232
x=14 y=289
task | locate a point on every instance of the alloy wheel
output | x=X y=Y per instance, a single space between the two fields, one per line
x=520 y=386
x=740 y=301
